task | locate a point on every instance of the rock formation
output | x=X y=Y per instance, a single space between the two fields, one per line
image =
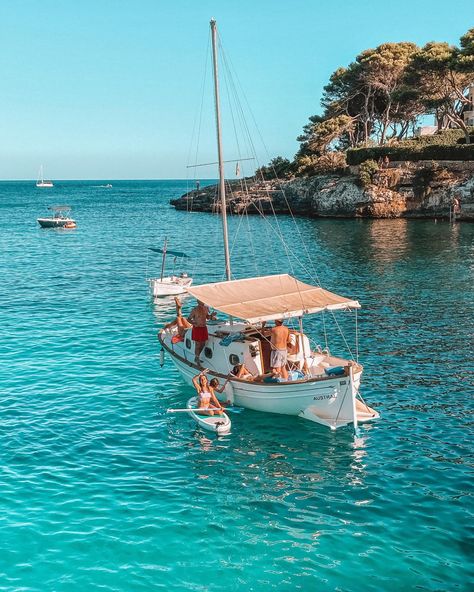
x=423 y=189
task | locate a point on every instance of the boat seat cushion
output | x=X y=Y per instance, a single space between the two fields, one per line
x=335 y=371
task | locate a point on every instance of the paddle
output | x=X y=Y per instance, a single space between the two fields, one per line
x=225 y=409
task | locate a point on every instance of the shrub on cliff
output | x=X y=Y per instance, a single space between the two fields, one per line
x=412 y=152
x=277 y=168
x=367 y=171
x=328 y=163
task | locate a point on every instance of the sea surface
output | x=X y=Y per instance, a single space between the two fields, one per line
x=102 y=490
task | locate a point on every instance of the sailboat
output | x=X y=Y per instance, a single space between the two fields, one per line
x=172 y=285
x=42 y=182
x=326 y=392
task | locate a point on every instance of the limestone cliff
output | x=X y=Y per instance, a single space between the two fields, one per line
x=410 y=189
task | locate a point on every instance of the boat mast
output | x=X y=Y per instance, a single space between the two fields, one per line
x=219 y=152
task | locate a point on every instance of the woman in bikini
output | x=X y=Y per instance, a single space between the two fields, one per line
x=207 y=400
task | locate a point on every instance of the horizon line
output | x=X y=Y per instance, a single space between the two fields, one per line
x=109 y=179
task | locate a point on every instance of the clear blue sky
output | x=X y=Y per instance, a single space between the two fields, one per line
x=108 y=89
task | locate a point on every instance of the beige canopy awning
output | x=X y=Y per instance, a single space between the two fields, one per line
x=269 y=297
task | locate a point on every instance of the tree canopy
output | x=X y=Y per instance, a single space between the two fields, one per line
x=380 y=96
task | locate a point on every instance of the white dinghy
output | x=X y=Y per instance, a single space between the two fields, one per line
x=326 y=392
x=219 y=424
x=171 y=285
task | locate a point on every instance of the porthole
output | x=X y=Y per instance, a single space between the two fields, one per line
x=234 y=359
x=188 y=343
x=208 y=352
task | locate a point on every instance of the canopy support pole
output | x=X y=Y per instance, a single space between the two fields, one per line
x=357 y=338
x=163 y=260
x=300 y=326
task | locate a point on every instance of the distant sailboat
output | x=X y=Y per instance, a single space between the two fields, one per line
x=42 y=182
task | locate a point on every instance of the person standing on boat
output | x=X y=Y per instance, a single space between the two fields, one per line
x=279 y=355
x=198 y=318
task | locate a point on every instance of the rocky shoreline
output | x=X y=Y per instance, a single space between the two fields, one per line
x=423 y=189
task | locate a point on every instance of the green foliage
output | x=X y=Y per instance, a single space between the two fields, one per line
x=466 y=54
x=440 y=75
x=412 y=152
x=328 y=163
x=367 y=171
x=448 y=137
x=379 y=98
x=277 y=168
x=381 y=95
x=322 y=134
x=372 y=90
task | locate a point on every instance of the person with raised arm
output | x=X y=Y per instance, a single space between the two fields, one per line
x=207 y=400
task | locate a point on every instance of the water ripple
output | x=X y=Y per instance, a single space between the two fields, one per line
x=102 y=490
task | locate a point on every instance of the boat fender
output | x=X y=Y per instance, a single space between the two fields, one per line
x=229 y=392
x=254 y=351
x=162 y=357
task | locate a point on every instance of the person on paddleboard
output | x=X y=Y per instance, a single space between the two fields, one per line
x=207 y=400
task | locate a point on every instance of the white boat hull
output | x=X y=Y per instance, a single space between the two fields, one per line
x=54 y=222
x=44 y=184
x=330 y=401
x=169 y=286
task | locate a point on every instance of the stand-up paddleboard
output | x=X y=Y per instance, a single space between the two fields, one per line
x=220 y=424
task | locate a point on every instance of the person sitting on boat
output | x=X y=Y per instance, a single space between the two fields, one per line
x=273 y=376
x=207 y=400
x=240 y=371
x=279 y=343
x=180 y=322
x=198 y=318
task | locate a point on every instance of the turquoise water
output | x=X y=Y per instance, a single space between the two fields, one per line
x=102 y=490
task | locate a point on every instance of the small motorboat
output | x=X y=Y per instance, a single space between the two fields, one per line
x=172 y=285
x=219 y=424
x=59 y=219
